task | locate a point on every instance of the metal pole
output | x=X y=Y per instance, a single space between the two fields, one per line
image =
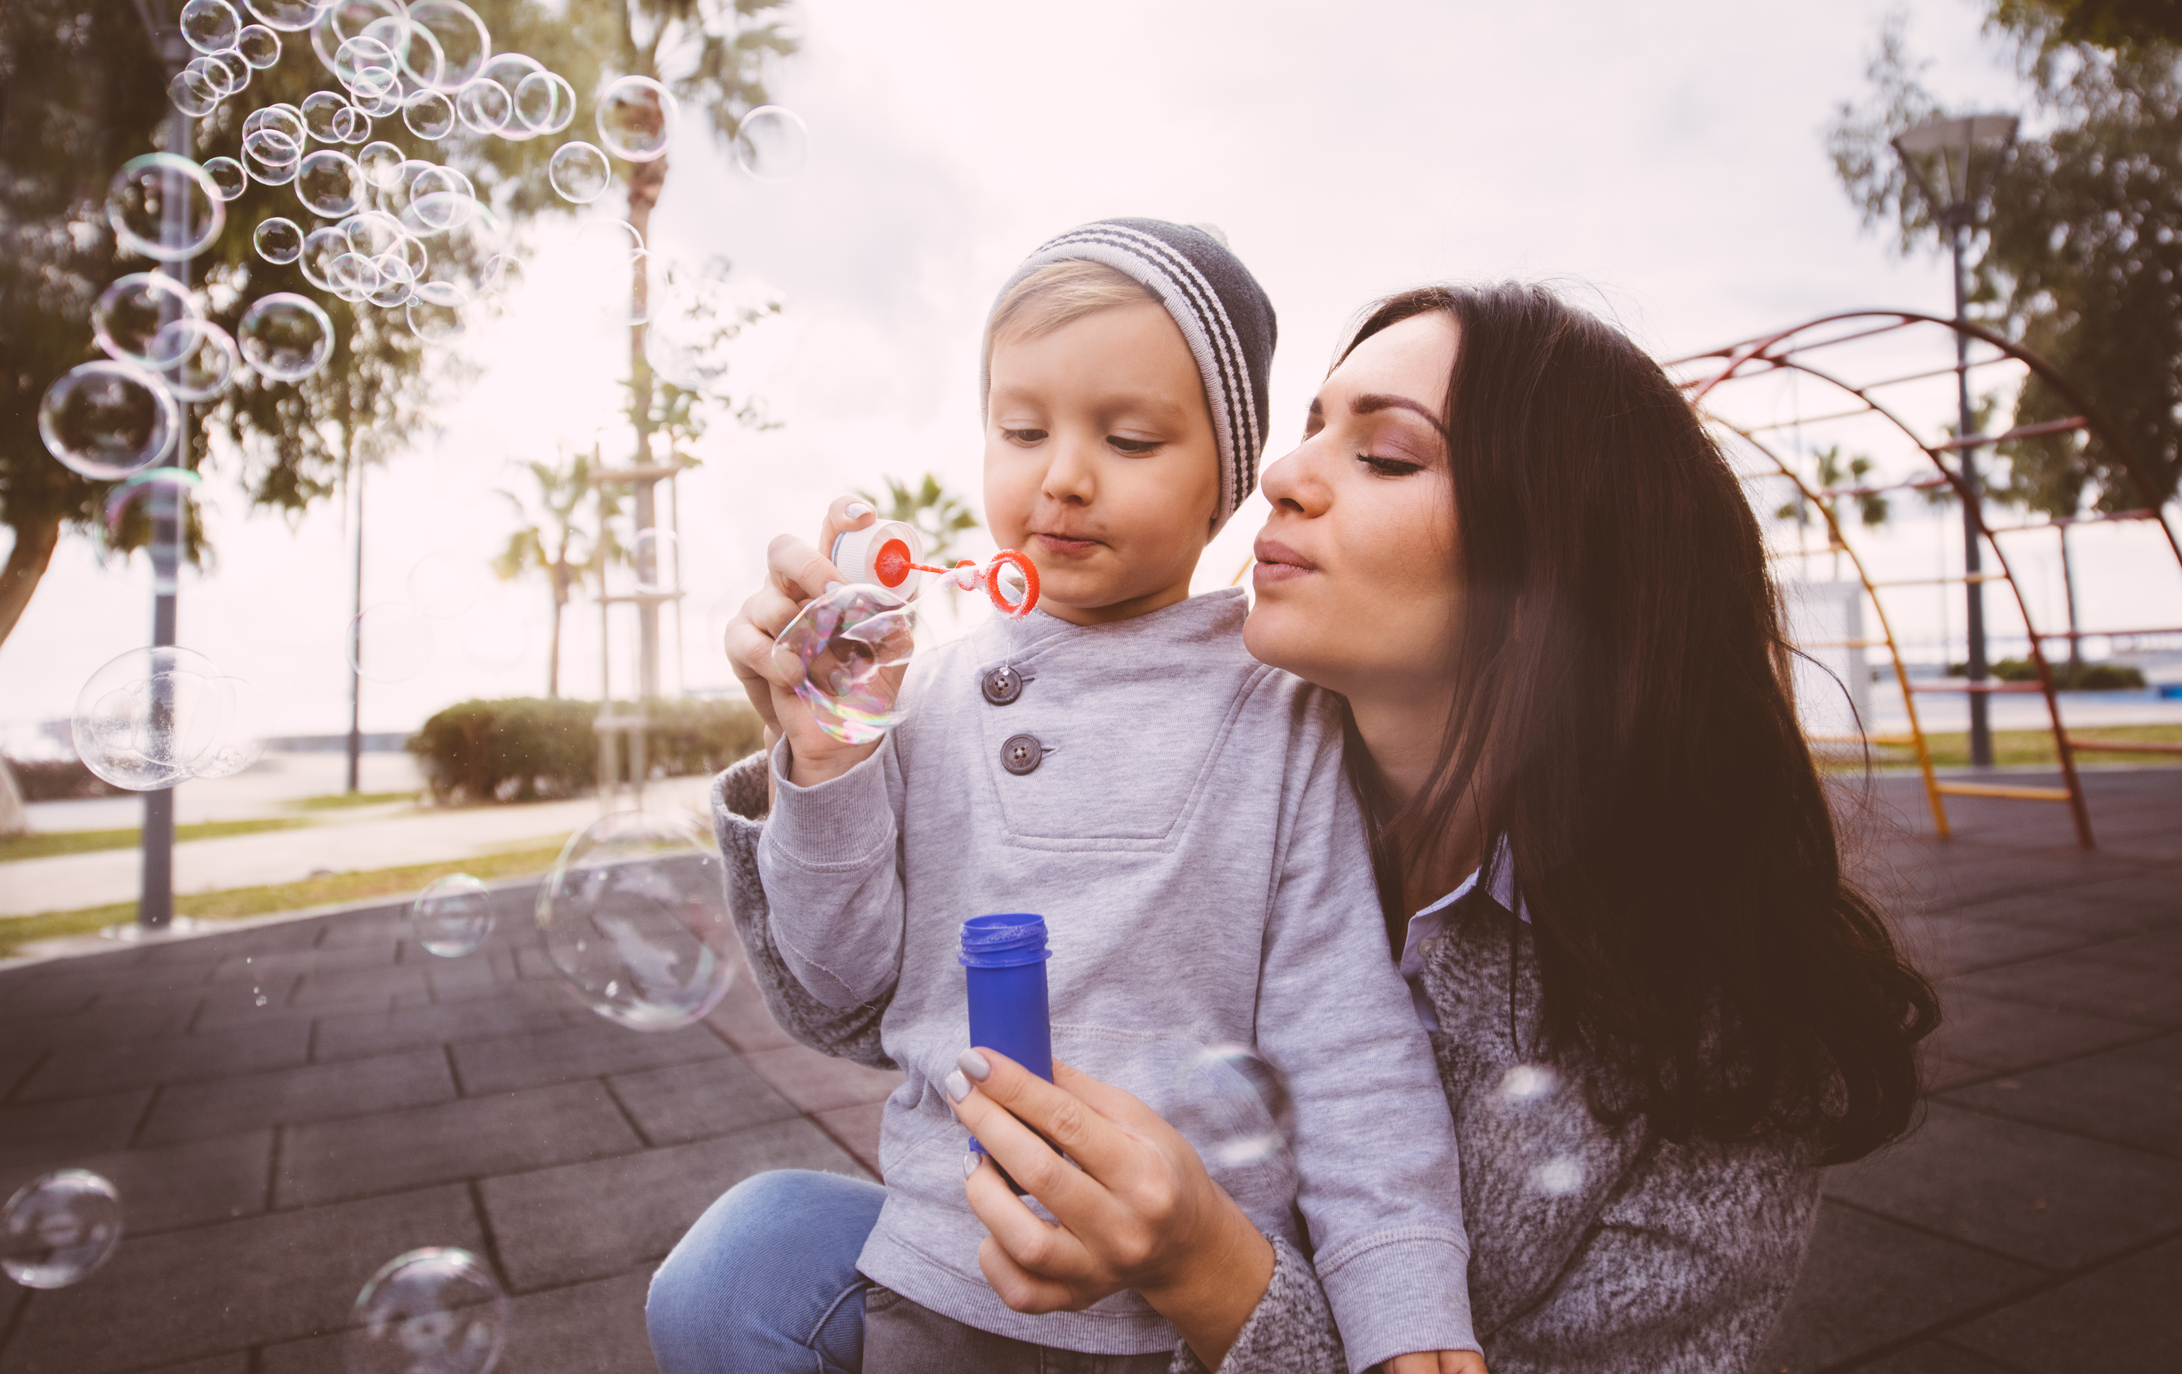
x=155 y=893
x=356 y=637
x=1981 y=729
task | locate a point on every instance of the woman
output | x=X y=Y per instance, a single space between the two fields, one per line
x=1606 y=864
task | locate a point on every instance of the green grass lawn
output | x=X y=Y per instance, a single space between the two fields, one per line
x=39 y=846
x=2023 y=748
x=341 y=801
x=237 y=903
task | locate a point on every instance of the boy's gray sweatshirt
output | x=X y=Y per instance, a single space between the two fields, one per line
x=1187 y=833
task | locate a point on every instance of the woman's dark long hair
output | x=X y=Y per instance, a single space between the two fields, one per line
x=1622 y=717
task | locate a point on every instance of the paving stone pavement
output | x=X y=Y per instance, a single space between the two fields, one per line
x=271 y=1156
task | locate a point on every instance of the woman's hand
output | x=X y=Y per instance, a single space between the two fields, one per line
x=1136 y=1209
x=795 y=573
x=1438 y=1362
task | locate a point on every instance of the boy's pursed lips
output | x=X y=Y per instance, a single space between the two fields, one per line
x=1277 y=563
x=1061 y=542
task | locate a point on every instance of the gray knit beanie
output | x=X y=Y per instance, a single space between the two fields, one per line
x=1223 y=314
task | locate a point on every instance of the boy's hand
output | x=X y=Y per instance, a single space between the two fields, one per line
x=795 y=573
x=1438 y=1362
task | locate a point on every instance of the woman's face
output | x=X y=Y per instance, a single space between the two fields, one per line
x=1356 y=589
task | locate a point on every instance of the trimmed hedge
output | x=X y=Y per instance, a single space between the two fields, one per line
x=43 y=780
x=527 y=748
x=2085 y=677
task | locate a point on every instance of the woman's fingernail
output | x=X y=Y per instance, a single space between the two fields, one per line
x=856 y=510
x=974 y=1064
x=958 y=1087
x=832 y=587
x=970 y=1161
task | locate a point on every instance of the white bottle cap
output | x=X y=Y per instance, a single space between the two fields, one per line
x=857 y=554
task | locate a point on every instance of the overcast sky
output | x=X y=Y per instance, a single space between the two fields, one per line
x=1664 y=163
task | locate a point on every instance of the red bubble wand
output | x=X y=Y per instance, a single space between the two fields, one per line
x=886 y=554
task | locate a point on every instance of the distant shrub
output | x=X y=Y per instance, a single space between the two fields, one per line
x=2084 y=677
x=42 y=780
x=528 y=748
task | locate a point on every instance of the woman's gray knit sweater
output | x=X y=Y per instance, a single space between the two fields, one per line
x=1593 y=1247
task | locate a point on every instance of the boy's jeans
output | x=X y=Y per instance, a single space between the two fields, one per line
x=902 y=1338
x=766 y=1281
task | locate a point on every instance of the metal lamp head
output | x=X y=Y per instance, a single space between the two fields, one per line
x=1966 y=153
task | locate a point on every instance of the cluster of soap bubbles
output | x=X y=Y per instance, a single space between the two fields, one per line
x=58 y=1228
x=836 y=651
x=1233 y=1106
x=154 y=717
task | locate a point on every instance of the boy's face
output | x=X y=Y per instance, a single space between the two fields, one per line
x=1101 y=463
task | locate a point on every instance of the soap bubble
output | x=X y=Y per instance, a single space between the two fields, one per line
x=352 y=126
x=150 y=717
x=278 y=240
x=192 y=94
x=452 y=916
x=772 y=143
x=196 y=359
x=439 y=198
x=484 y=105
x=444 y=586
x=107 y=420
x=635 y=918
x=429 y=115
x=320 y=247
x=430 y=1311
x=353 y=275
x=132 y=310
x=58 y=1228
x=377 y=98
x=636 y=118
x=286 y=337
x=210 y=25
x=340 y=20
x=283 y=118
x=289 y=16
x=271 y=155
x=1233 y=1106
x=397 y=283
x=504 y=276
x=833 y=652
x=236 y=743
x=382 y=164
x=225 y=72
x=579 y=172
x=657 y=558
x=436 y=312
x=544 y=103
x=364 y=60
x=456 y=34
x=164 y=207
x=259 y=46
x=329 y=184
x=508 y=71
x=389 y=642
x=1559 y=1176
x=228 y=178
x=321 y=115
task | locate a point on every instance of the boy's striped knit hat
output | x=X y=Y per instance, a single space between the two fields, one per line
x=1223 y=314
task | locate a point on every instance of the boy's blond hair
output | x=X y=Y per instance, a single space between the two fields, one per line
x=1059 y=294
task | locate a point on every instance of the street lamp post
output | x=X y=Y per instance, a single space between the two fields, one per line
x=1966 y=153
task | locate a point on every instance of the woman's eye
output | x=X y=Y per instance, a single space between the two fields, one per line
x=1023 y=436
x=1389 y=467
x=1138 y=446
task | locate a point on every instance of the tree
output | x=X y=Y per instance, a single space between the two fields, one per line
x=2081 y=256
x=935 y=512
x=552 y=542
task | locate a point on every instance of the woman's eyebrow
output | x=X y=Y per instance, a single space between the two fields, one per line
x=1366 y=405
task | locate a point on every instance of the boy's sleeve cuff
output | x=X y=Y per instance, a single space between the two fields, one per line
x=839 y=823
x=1398 y=1295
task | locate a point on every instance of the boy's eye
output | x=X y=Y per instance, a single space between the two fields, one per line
x=1138 y=446
x=1023 y=436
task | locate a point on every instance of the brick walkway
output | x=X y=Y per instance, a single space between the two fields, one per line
x=271 y=1157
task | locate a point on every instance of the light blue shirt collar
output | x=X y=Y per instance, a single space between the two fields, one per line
x=1428 y=924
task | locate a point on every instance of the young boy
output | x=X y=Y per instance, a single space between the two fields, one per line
x=1118 y=763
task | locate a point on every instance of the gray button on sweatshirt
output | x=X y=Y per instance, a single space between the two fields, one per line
x=1189 y=837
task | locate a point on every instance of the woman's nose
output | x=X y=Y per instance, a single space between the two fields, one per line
x=1293 y=483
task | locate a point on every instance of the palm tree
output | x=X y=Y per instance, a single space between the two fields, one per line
x=553 y=543
x=935 y=512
